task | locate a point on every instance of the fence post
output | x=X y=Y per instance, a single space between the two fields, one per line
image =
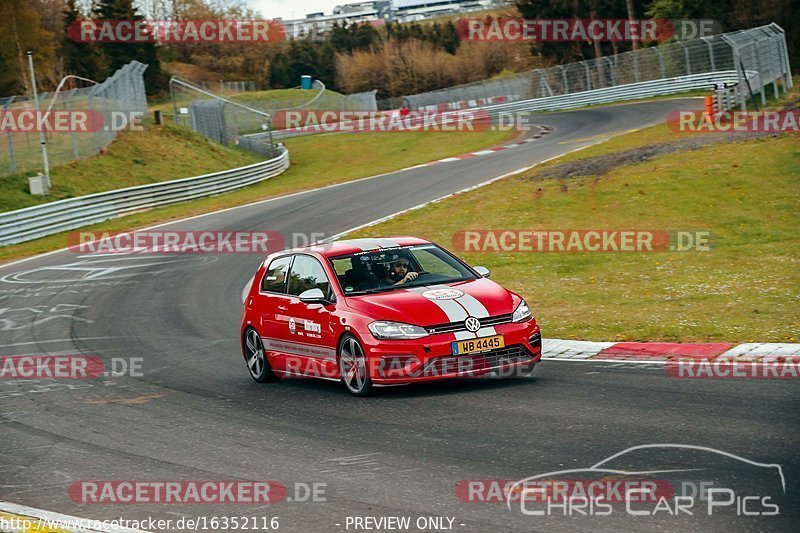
x=271 y=141
x=759 y=66
x=172 y=98
x=12 y=161
x=73 y=135
x=588 y=76
x=787 y=66
x=774 y=74
x=613 y=78
x=776 y=54
x=688 y=61
x=661 y=62
x=736 y=62
x=710 y=53
x=97 y=128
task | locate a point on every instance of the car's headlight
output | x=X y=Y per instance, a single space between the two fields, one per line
x=522 y=312
x=396 y=330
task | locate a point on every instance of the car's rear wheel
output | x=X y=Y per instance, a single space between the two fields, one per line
x=353 y=367
x=256 y=357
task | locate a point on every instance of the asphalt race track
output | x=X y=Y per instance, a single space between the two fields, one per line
x=196 y=414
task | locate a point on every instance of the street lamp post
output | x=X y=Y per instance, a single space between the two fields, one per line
x=42 y=136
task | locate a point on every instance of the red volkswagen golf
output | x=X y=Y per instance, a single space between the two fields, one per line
x=380 y=312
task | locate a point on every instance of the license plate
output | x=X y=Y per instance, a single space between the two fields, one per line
x=483 y=344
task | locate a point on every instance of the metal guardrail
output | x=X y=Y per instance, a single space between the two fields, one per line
x=762 y=50
x=607 y=95
x=618 y=93
x=63 y=215
x=748 y=60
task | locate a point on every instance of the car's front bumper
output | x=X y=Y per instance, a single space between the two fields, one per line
x=431 y=358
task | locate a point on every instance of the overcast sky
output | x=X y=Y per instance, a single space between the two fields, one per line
x=294 y=9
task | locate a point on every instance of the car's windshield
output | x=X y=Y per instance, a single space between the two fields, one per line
x=397 y=268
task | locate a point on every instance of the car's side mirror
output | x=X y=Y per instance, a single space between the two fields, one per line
x=483 y=271
x=313 y=296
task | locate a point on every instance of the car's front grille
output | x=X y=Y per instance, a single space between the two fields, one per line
x=452 y=327
x=461 y=364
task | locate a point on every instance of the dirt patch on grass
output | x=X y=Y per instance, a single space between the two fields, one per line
x=603 y=164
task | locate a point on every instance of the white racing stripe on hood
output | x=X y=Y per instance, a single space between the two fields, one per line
x=387 y=243
x=454 y=311
x=473 y=307
x=478 y=310
x=371 y=244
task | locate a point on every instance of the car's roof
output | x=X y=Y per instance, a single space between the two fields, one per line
x=352 y=246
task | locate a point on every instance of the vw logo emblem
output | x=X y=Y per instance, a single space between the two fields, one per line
x=472 y=324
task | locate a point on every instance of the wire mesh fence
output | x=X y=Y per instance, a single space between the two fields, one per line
x=759 y=54
x=112 y=106
x=224 y=120
x=245 y=120
x=229 y=87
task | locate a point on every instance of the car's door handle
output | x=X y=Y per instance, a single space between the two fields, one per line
x=283 y=308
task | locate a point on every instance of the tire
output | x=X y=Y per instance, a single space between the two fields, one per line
x=256 y=358
x=353 y=367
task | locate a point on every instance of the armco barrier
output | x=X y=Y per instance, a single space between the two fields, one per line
x=62 y=215
x=607 y=95
x=619 y=93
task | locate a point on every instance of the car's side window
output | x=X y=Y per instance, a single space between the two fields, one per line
x=307 y=273
x=275 y=278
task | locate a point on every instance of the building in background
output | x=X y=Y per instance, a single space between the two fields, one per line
x=382 y=11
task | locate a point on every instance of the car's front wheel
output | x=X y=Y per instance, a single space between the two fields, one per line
x=256 y=357
x=353 y=366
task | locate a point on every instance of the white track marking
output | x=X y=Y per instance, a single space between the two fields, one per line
x=437 y=200
x=36 y=514
x=56 y=340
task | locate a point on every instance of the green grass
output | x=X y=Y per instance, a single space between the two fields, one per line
x=660 y=133
x=134 y=158
x=745 y=289
x=317 y=161
x=283 y=95
x=270 y=99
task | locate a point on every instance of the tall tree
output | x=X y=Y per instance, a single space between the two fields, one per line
x=631 y=17
x=81 y=59
x=21 y=30
x=120 y=54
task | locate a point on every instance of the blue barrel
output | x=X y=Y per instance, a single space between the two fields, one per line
x=305 y=82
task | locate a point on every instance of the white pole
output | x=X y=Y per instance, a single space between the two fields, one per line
x=42 y=136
